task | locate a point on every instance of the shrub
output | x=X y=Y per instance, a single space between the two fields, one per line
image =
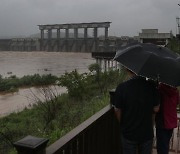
x=75 y=83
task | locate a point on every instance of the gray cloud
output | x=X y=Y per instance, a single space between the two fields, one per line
x=128 y=17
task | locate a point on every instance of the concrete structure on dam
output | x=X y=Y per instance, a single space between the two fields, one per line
x=25 y=44
x=80 y=37
x=5 y=44
x=86 y=43
x=74 y=37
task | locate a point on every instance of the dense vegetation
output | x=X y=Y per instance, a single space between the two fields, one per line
x=12 y=83
x=87 y=93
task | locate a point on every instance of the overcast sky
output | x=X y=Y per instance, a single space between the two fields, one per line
x=128 y=17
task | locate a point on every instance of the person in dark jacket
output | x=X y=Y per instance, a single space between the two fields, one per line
x=135 y=102
x=166 y=118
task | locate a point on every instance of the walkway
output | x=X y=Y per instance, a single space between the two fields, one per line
x=175 y=141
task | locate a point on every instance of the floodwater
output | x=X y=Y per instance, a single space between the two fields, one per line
x=29 y=63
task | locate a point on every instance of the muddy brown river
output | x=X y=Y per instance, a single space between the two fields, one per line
x=29 y=63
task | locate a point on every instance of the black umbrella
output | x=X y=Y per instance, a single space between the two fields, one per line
x=149 y=47
x=151 y=61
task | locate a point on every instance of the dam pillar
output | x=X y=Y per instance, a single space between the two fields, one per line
x=76 y=39
x=58 y=39
x=85 y=38
x=67 y=38
x=76 y=33
x=106 y=32
x=49 y=39
x=95 y=39
x=106 y=39
x=42 y=39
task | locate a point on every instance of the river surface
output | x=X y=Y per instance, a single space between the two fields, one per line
x=29 y=63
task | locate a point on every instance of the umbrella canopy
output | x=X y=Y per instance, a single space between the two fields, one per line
x=151 y=61
x=149 y=47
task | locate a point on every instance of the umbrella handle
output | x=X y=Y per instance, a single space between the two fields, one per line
x=157 y=81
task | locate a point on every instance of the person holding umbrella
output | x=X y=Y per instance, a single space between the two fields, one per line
x=166 y=118
x=155 y=63
x=135 y=102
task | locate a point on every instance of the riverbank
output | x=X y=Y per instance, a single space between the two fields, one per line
x=24 y=98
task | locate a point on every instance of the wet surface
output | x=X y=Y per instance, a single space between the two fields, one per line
x=56 y=63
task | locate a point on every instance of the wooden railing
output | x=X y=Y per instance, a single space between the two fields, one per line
x=97 y=135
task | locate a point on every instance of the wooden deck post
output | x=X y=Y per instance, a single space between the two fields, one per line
x=31 y=145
